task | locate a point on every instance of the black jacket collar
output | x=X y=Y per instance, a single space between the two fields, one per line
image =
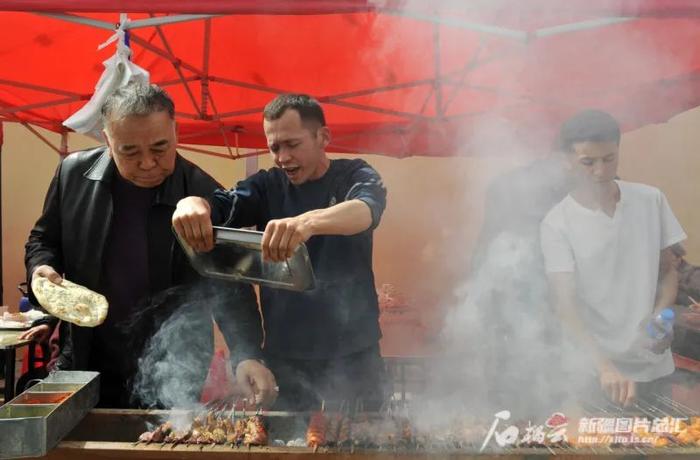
x=168 y=193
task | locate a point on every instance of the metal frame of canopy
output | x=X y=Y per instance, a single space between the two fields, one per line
x=203 y=105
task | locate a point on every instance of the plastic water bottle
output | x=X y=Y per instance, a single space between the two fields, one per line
x=661 y=325
x=660 y=328
x=25 y=305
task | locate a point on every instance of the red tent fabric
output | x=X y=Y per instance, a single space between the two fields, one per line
x=396 y=77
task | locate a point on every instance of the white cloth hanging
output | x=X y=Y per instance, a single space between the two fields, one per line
x=119 y=71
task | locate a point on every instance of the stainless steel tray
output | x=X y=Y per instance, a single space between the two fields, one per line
x=30 y=427
x=237 y=256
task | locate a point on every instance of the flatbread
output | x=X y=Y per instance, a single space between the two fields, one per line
x=71 y=302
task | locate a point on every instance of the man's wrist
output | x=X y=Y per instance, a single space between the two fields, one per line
x=309 y=222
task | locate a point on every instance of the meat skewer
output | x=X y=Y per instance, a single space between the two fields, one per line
x=316 y=432
x=146 y=436
x=361 y=428
x=180 y=437
x=332 y=430
x=256 y=434
x=157 y=435
x=406 y=431
x=218 y=436
x=344 y=433
x=239 y=430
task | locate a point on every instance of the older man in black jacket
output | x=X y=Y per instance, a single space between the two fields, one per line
x=106 y=224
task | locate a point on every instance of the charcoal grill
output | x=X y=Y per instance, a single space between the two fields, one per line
x=110 y=434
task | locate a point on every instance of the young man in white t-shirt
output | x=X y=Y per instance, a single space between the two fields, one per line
x=607 y=249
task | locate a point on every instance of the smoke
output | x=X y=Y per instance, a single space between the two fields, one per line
x=509 y=75
x=503 y=349
x=503 y=346
x=175 y=360
x=170 y=369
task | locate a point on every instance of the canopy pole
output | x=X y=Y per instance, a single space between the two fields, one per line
x=577 y=26
x=437 y=83
x=223 y=129
x=176 y=62
x=45 y=89
x=458 y=23
x=204 y=84
x=206 y=97
x=176 y=65
x=39 y=105
x=471 y=64
x=220 y=155
x=64 y=143
x=136 y=24
x=40 y=136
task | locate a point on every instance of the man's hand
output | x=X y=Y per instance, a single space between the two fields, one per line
x=619 y=389
x=192 y=221
x=283 y=236
x=257 y=382
x=39 y=333
x=46 y=271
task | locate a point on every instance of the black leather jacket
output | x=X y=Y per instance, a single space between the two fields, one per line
x=70 y=236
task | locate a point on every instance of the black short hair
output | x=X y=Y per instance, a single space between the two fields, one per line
x=308 y=108
x=588 y=126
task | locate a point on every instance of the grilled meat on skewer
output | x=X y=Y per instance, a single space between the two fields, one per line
x=180 y=437
x=219 y=436
x=176 y=436
x=361 y=430
x=206 y=437
x=689 y=433
x=386 y=433
x=197 y=422
x=332 y=430
x=256 y=434
x=344 y=433
x=211 y=420
x=195 y=435
x=239 y=430
x=146 y=436
x=157 y=435
x=316 y=433
x=228 y=426
x=406 y=431
x=666 y=440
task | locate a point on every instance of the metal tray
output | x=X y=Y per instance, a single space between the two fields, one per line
x=32 y=429
x=237 y=256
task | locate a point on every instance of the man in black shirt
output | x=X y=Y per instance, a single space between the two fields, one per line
x=106 y=224
x=320 y=344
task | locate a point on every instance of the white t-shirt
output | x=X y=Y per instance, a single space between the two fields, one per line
x=616 y=265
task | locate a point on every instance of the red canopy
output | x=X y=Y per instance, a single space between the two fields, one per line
x=396 y=77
